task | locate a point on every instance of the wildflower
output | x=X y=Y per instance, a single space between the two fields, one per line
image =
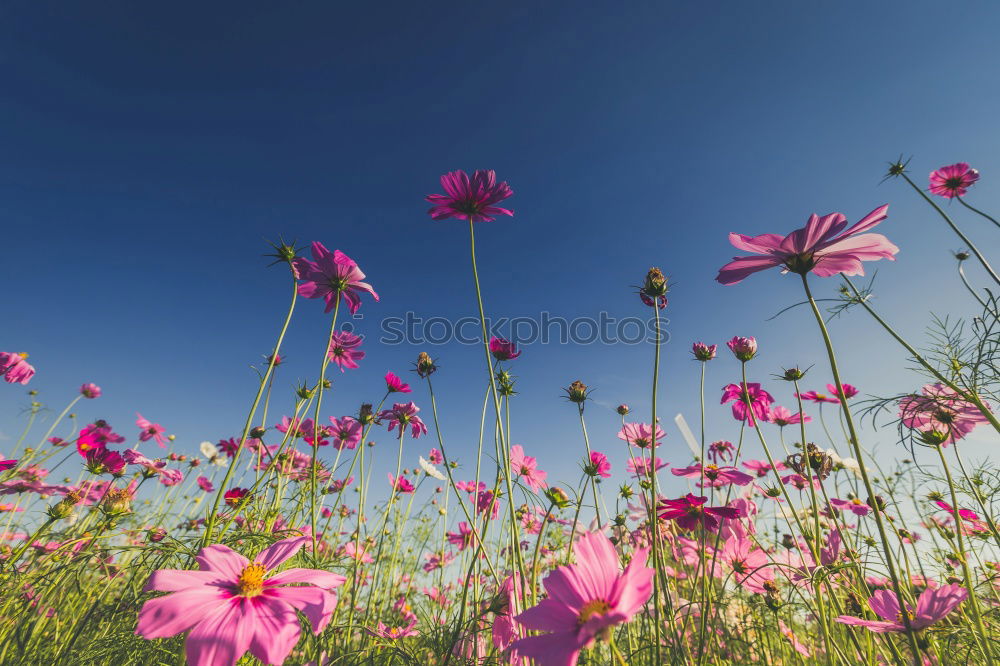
x=171 y=477
x=401 y=485
x=750 y=402
x=235 y=496
x=747 y=563
x=623 y=410
x=503 y=350
x=346 y=432
x=782 y=416
x=435 y=457
x=7 y=464
x=470 y=199
x=15 y=369
x=394 y=384
x=150 y=431
x=233 y=605
x=118 y=501
x=953 y=180
x=762 y=467
x=715 y=477
x=577 y=392
x=205 y=484
x=402 y=415
x=344 y=350
x=689 y=512
x=332 y=276
x=526 y=468
x=856 y=506
x=464 y=538
x=849 y=391
x=703 y=352
x=641 y=434
x=396 y=633
x=940 y=410
x=90 y=391
x=933 y=604
x=819 y=462
x=425 y=365
x=654 y=289
x=598 y=465
x=104 y=461
x=585 y=602
x=822 y=247
x=720 y=450
x=797 y=645
x=557 y=496
x=430 y=470
x=642 y=467
x=743 y=349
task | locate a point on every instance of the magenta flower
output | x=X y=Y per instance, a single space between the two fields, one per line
x=855 y=505
x=205 y=484
x=234 y=496
x=690 y=512
x=470 y=199
x=759 y=402
x=330 y=276
x=953 y=180
x=715 y=477
x=402 y=415
x=104 y=461
x=394 y=384
x=90 y=391
x=344 y=350
x=598 y=465
x=346 y=432
x=849 y=391
x=401 y=485
x=940 y=413
x=703 y=352
x=232 y=605
x=965 y=514
x=762 y=467
x=822 y=247
x=526 y=468
x=933 y=604
x=585 y=602
x=782 y=416
x=150 y=431
x=15 y=369
x=503 y=350
x=435 y=457
x=747 y=563
x=641 y=434
x=395 y=633
x=171 y=477
x=463 y=538
x=642 y=467
x=815 y=396
x=7 y=464
x=743 y=349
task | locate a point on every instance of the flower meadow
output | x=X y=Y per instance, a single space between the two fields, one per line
x=278 y=545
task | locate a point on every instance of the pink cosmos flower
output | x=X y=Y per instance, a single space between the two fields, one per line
x=855 y=505
x=90 y=391
x=104 y=461
x=463 y=538
x=759 y=399
x=747 y=563
x=743 y=349
x=690 y=511
x=800 y=482
x=782 y=416
x=641 y=468
x=330 y=276
x=401 y=485
x=337 y=485
x=233 y=605
x=965 y=514
x=205 y=484
x=437 y=561
x=149 y=430
x=394 y=384
x=953 y=180
x=346 y=432
x=344 y=350
x=396 y=633
x=470 y=199
x=720 y=450
x=703 y=352
x=526 y=468
x=171 y=477
x=402 y=415
x=933 y=604
x=940 y=411
x=641 y=434
x=715 y=477
x=486 y=502
x=822 y=247
x=599 y=465
x=503 y=350
x=585 y=602
x=814 y=396
x=234 y=496
x=7 y=464
x=435 y=457
x=797 y=645
x=762 y=467
x=849 y=391
x=15 y=369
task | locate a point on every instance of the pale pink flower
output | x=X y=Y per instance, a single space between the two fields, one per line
x=470 y=199
x=90 y=391
x=715 y=476
x=933 y=604
x=463 y=538
x=526 y=468
x=703 y=352
x=205 y=484
x=396 y=633
x=748 y=564
x=743 y=349
x=233 y=605
x=952 y=180
x=435 y=457
x=15 y=369
x=856 y=506
x=330 y=276
x=797 y=645
x=344 y=350
x=642 y=467
x=641 y=434
x=762 y=467
x=149 y=430
x=940 y=412
x=759 y=402
x=402 y=415
x=823 y=247
x=346 y=432
x=782 y=416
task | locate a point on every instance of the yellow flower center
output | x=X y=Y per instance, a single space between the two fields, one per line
x=909 y=615
x=251 y=580
x=856 y=501
x=592 y=608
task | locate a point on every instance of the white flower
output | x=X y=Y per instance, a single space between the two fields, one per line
x=211 y=451
x=431 y=470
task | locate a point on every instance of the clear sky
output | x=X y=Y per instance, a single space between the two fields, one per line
x=148 y=151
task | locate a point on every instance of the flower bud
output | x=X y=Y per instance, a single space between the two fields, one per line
x=577 y=392
x=703 y=352
x=623 y=410
x=425 y=364
x=557 y=496
x=743 y=349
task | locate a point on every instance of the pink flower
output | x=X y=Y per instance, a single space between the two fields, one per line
x=463 y=538
x=849 y=391
x=104 y=461
x=965 y=514
x=814 y=396
x=800 y=482
x=344 y=350
x=762 y=467
x=394 y=384
x=743 y=349
x=90 y=391
x=641 y=468
x=330 y=276
x=703 y=352
x=205 y=484
x=855 y=505
x=396 y=633
x=641 y=434
x=470 y=199
x=232 y=605
x=759 y=399
x=715 y=477
x=526 y=467
x=401 y=485
x=782 y=416
x=690 y=511
x=435 y=457
x=585 y=602
x=797 y=645
x=234 y=496
x=346 y=432
x=503 y=350
x=15 y=369
x=150 y=431
x=940 y=413
x=171 y=477
x=720 y=450
x=747 y=563
x=933 y=604
x=402 y=415
x=822 y=247
x=7 y=464
x=953 y=180
x=598 y=466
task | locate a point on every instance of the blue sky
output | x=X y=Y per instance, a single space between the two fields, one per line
x=149 y=151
